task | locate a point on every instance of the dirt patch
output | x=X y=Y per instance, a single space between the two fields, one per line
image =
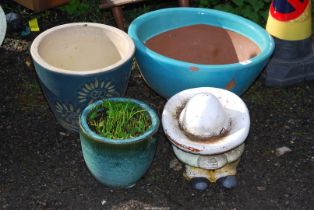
x=203 y=44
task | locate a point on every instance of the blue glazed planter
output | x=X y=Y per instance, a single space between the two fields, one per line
x=88 y=75
x=169 y=76
x=118 y=163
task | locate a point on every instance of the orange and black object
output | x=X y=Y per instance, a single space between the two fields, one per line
x=290 y=23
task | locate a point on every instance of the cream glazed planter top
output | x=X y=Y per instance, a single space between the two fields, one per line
x=206 y=120
x=82 y=48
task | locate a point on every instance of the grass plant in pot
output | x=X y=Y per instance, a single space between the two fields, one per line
x=118 y=140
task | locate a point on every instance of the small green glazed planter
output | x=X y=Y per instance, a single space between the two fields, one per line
x=114 y=162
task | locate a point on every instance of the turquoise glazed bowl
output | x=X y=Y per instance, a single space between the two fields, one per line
x=80 y=63
x=168 y=76
x=118 y=163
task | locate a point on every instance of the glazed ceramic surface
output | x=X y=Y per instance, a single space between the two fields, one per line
x=209 y=162
x=211 y=157
x=3 y=25
x=118 y=163
x=80 y=63
x=169 y=76
x=235 y=109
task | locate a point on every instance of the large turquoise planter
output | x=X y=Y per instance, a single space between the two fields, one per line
x=169 y=76
x=118 y=163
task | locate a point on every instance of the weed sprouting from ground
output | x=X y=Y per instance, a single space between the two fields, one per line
x=119 y=120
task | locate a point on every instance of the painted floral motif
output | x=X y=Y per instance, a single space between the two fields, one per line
x=69 y=115
x=97 y=90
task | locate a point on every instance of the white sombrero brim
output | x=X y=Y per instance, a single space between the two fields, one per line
x=235 y=108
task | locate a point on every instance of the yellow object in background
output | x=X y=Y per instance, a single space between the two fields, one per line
x=33 y=25
x=290 y=26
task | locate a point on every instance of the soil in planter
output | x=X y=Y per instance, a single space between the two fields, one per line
x=204 y=44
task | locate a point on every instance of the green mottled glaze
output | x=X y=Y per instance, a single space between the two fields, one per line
x=118 y=163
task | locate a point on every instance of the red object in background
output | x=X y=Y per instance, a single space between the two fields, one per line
x=285 y=10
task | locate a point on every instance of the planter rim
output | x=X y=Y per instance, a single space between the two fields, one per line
x=90 y=133
x=3 y=25
x=35 y=55
x=136 y=24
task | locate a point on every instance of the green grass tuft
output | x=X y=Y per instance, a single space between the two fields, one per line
x=119 y=120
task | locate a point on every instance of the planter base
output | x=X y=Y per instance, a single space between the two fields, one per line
x=292 y=63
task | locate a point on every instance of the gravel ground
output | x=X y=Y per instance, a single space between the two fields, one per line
x=42 y=165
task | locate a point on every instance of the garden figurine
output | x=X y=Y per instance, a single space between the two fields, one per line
x=207 y=128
